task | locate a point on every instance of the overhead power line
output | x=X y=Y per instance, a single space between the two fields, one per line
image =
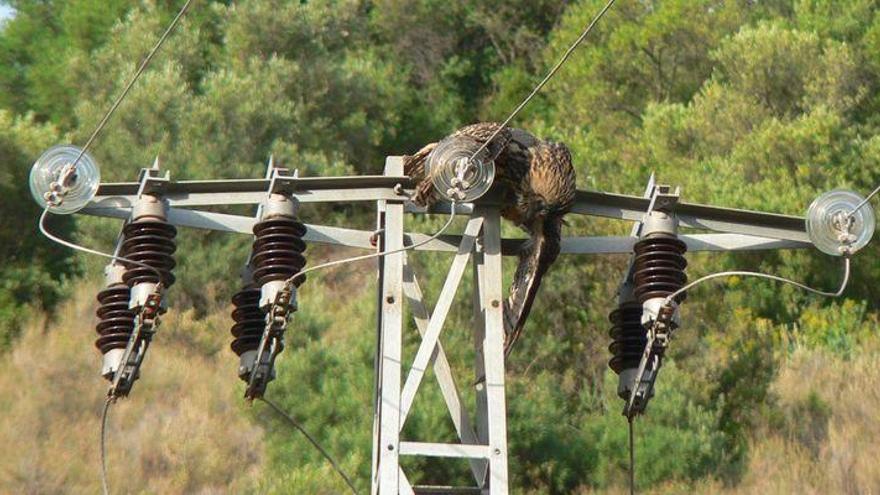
x=547 y=78
x=143 y=67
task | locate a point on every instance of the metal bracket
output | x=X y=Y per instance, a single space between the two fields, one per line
x=652 y=359
x=145 y=326
x=271 y=344
x=151 y=182
x=663 y=198
x=281 y=181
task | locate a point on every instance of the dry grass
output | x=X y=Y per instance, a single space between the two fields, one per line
x=185 y=429
x=828 y=440
x=832 y=450
x=182 y=431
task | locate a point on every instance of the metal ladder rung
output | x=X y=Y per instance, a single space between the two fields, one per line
x=448 y=490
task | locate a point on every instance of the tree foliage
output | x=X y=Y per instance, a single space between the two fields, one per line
x=759 y=105
x=33 y=271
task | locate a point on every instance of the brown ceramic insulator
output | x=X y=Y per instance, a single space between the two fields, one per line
x=659 y=266
x=249 y=320
x=150 y=242
x=115 y=320
x=277 y=250
x=628 y=336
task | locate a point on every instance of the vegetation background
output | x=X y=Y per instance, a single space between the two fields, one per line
x=749 y=104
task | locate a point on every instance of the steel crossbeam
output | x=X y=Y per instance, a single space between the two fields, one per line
x=509 y=247
x=482 y=438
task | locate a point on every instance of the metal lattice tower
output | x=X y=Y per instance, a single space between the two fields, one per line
x=482 y=440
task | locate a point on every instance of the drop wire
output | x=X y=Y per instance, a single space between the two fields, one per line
x=433 y=237
x=546 y=79
x=312 y=440
x=837 y=293
x=632 y=459
x=72 y=245
x=104 y=485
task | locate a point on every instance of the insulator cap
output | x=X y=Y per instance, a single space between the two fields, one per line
x=48 y=173
x=835 y=226
x=458 y=175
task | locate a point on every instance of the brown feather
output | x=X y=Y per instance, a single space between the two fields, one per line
x=542 y=200
x=414 y=165
x=414 y=168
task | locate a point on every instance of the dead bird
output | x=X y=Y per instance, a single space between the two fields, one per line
x=538 y=179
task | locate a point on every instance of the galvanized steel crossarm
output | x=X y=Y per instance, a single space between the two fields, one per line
x=374 y=188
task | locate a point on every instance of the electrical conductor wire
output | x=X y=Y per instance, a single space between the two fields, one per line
x=312 y=440
x=838 y=293
x=84 y=249
x=864 y=202
x=546 y=79
x=137 y=75
x=434 y=237
x=104 y=485
x=735 y=273
x=632 y=459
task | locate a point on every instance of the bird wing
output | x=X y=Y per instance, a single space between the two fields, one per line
x=543 y=198
x=536 y=257
x=414 y=165
x=414 y=168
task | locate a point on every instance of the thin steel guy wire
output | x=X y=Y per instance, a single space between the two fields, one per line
x=137 y=75
x=546 y=79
